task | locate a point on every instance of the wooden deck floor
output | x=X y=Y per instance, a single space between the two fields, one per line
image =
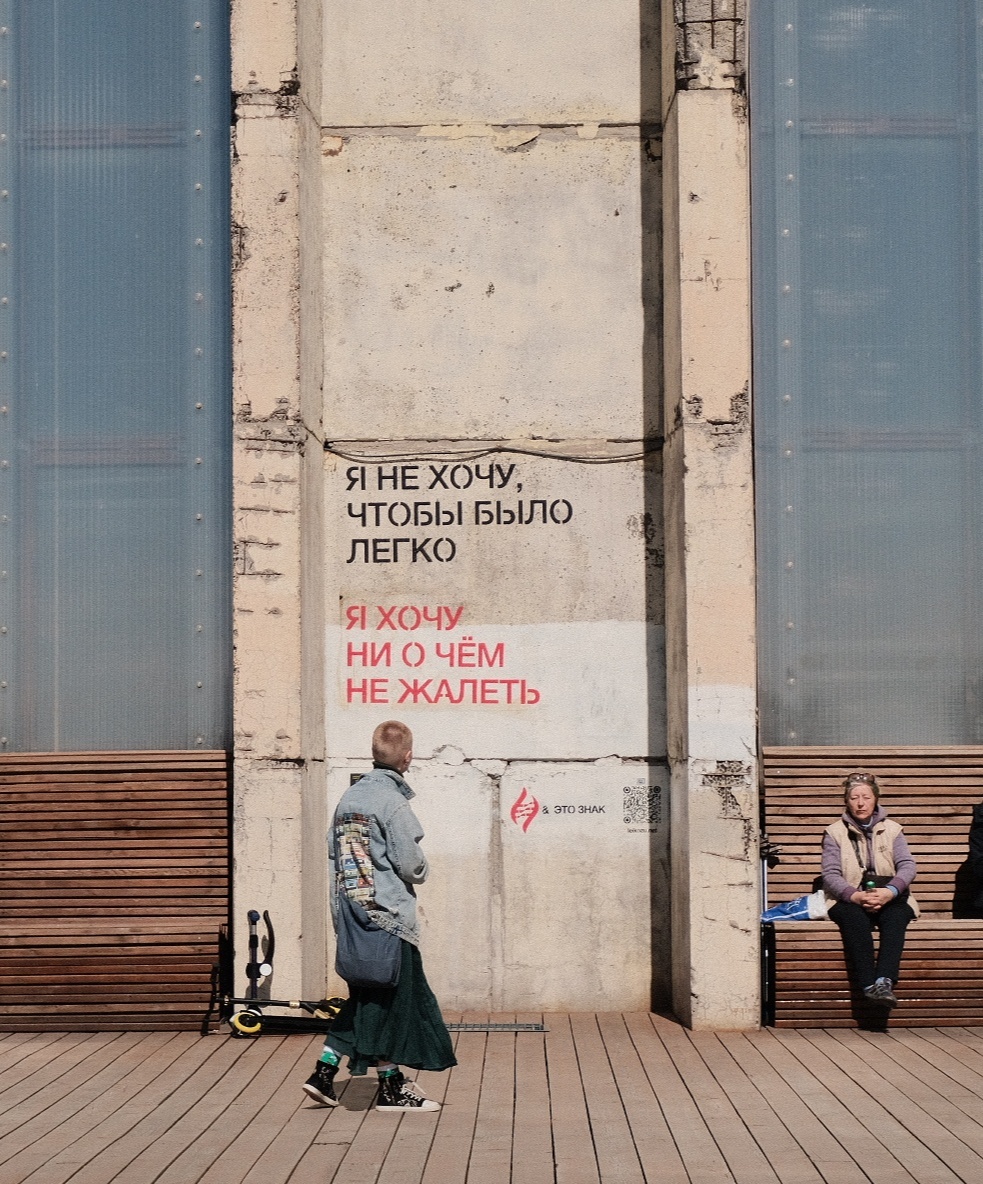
x=598 y=1099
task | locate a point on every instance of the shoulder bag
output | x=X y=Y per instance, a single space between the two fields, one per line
x=366 y=955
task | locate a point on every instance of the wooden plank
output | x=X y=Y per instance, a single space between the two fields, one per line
x=822 y=1094
x=179 y=1115
x=654 y=1142
x=696 y=1146
x=491 y=1147
x=953 y=1106
x=289 y=1125
x=787 y=1159
x=172 y=1076
x=573 y=1146
x=871 y=1103
x=23 y=1094
x=617 y=1158
x=532 y=1144
x=410 y=1149
x=946 y=1052
x=935 y=1131
x=341 y=1125
x=450 y=1151
x=744 y=1157
x=80 y=1109
x=818 y=1142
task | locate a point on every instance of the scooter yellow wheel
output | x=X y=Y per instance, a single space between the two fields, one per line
x=247 y=1023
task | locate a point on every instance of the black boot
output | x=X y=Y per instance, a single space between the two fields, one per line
x=396 y=1093
x=320 y=1084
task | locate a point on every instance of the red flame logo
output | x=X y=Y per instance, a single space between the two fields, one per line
x=524 y=809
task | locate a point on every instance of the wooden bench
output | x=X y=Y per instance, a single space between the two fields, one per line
x=931 y=792
x=114 y=884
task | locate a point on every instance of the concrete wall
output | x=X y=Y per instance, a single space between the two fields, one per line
x=449 y=491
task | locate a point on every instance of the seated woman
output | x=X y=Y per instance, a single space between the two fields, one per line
x=867 y=869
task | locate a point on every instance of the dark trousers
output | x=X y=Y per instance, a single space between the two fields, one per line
x=857 y=930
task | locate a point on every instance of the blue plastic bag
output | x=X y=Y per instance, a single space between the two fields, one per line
x=803 y=908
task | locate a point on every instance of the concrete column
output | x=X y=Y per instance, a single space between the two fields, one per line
x=270 y=762
x=709 y=535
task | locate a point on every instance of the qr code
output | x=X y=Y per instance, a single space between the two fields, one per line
x=643 y=805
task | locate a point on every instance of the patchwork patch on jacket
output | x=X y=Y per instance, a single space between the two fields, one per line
x=354 y=872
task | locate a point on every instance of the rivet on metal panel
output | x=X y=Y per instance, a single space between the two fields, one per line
x=198 y=685
x=199 y=628
x=198 y=406
x=3 y=628
x=786 y=398
x=3 y=685
x=199 y=739
x=4 y=299
x=4 y=464
x=199 y=517
x=197 y=460
x=198 y=572
x=198 y=351
x=4 y=83
x=790 y=177
x=3 y=354
x=197 y=78
x=790 y=563
x=4 y=193
x=4 y=410
x=3 y=739
x=788 y=509
x=199 y=296
x=197 y=24
x=787 y=343
x=197 y=185
x=4 y=247
x=199 y=242
x=198 y=132
x=789 y=624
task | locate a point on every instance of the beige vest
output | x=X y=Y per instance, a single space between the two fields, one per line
x=885 y=832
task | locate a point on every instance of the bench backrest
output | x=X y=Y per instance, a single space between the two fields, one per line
x=931 y=792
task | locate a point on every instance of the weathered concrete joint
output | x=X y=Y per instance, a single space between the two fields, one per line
x=732 y=781
x=253 y=104
x=710 y=44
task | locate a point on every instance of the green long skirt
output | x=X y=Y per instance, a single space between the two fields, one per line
x=401 y=1024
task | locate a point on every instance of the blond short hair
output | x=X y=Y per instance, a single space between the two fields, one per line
x=391 y=741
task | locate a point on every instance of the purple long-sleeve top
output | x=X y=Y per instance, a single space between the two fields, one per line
x=836 y=883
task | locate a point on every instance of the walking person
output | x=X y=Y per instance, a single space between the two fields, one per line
x=867 y=870
x=377 y=860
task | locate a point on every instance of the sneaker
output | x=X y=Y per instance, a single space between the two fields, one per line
x=397 y=1093
x=320 y=1084
x=880 y=991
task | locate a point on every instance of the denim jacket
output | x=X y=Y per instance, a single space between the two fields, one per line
x=377 y=840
